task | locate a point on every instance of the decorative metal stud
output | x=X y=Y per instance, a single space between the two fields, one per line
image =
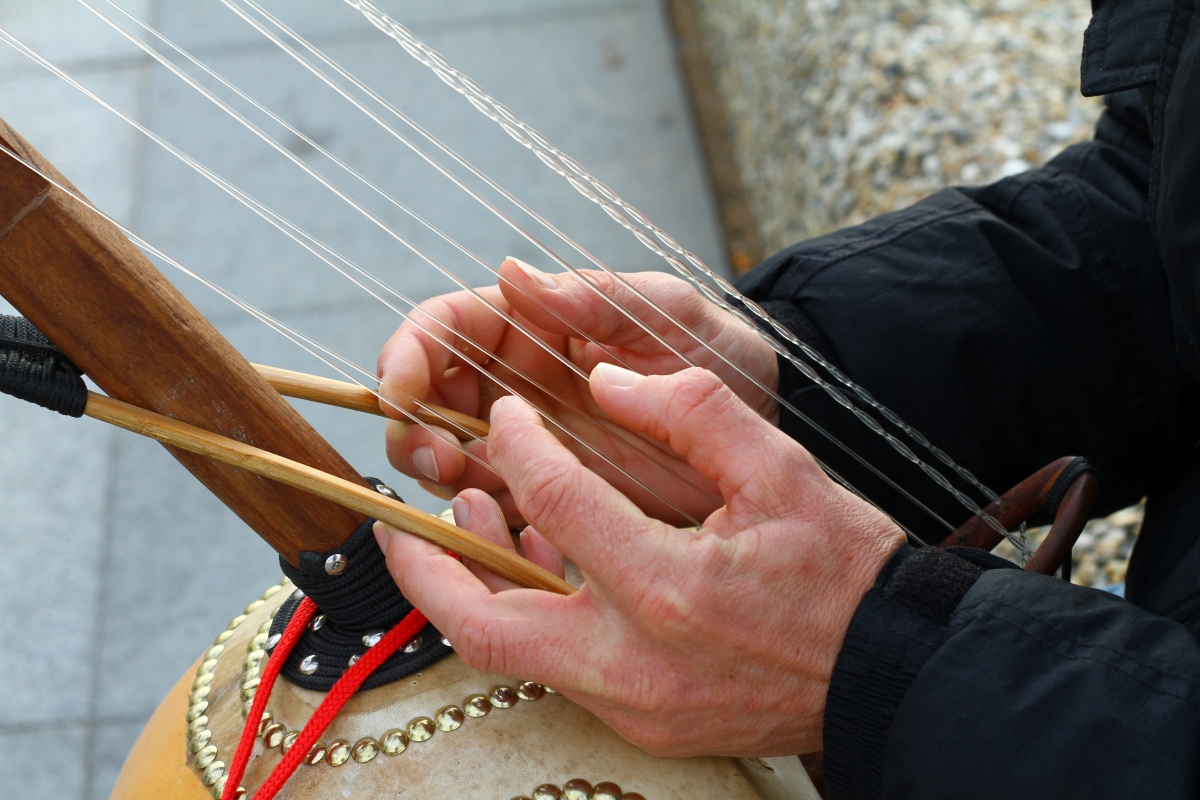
x=298 y=595
x=264 y=722
x=272 y=640
x=317 y=623
x=450 y=718
x=255 y=606
x=218 y=788
x=315 y=753
x=199 y=741
x=530 y=691
x=250 y=687
x=353 y=660
x=288 y=741
x=258 y=641
x=200 y=694
x=309 y=665
x=223 y=636
x=336 y=564
x=364 y=750
x=446 y=642
x=548 y=689
x=197 y=710
x=200 y=723
x=247 y=707
x=420 y=729
x=208 y=666
x=413 y=645
x=547 y=791
x=202 y=680
x=577 y=789
x=606 y=791
x=477 y=705
x=213 y=773
x=214 y=651
x=206 y=756
x=238 y=620
x=338 y=753
x=239 y=794
x=271 y=591
x=273 y=734
x=253 y=659
x=393 y=742
x=372 y=638
x=502 y=696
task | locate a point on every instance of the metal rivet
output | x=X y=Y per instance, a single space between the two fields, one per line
x=199 y=741
x=200 y=694
x=213 y=773
x=364 y=750
x=208 y=666
x=271 y=591
x=502 y=697
x=218 y=788
x=577 y=789
x=202 y=680
x=530 y=691
x=336 y=564
x=206 y=756
x=393 y=742
x=413 y=645
x=338 y=753
x=223 y=637
x=264 y=722
x=606 y=791
x=253 y=672
x=446 y=642
x=214 y=651
x=247 y=707
x=547 y=791
x=249 y=687
x=198 y=724
x=309 y=665
x=254 y=606
x=239 y=794
x=477 y=706
x=259 y=641
x=548 y=689
x=288 y=741
x=238 y=620
x=450 y=718
x=273 y=734
x=315 y=753
x=317 y=623
x=420 y=729
x=253 y=659
x=386 y=491
x=272 y=640
x=298 y=595
x=265 y=628
x=372 y=638
x=353 y=660
x=197 y=710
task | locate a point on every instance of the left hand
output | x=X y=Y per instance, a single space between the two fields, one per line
x=720 y=642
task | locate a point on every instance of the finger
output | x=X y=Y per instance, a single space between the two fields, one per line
x=432 y=341
x=585 y=517
x=706 y=423
x=478 y=513
x=537 y=548
x=424 y=452
x=519 y=632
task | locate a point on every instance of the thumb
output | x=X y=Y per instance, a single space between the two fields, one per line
x=707 y=424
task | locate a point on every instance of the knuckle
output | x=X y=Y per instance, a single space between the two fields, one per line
x=546 y=495
x=699 y=395
x=480 y=643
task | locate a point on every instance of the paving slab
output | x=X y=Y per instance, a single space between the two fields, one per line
x=44 y=762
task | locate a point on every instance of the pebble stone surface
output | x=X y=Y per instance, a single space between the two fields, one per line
x=840 y=110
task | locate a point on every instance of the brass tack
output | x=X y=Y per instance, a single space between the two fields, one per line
x=250 y=687
x=213 y=773
x=288 y=741
x=477 y=705
x=253 y=672
x=364 y=750
x=547 y=791
x=196 y=710
x=271 y=591
x=214 y=651
x=206 y=756
x=240 y=793
x=264 y=722
x=315 y=753
x=338 y=753
x=200 y=694
x=273 y=734
x=238 y=620
x=257 y=604
x=420 y=729
x=450 y=718
x=247 y=707
x=577 y=789
x=393 y=742
x=259 y=641
x=606 y=791
x=199 y=741
x=202 y=680
x=207 y=667
x=198 y=724
x=218 y=788
x=530 y=691
x=502 y=697
x=223 y=636
x=265 y=627
x=548 y=689
x=253 y=658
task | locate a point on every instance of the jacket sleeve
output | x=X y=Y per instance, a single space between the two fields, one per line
x=1011 y=324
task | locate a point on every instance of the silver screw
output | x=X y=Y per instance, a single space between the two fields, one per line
x=336 y=564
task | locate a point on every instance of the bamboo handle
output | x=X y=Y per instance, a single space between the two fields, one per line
x=343 y=492
x=347 y=395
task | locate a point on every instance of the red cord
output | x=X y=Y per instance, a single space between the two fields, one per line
x=341 y=692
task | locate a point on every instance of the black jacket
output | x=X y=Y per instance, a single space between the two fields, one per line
x=1054 y=313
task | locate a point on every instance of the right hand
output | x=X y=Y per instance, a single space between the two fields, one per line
x=414 y=364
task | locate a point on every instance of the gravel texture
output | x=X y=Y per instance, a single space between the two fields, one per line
x=839 y=110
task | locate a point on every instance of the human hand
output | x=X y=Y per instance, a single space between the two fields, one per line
x=414 y=364
x=718 y=642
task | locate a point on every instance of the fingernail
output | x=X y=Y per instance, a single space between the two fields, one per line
x=462 y=511
x=425 y=462
x=534 y=274
x=617 y=376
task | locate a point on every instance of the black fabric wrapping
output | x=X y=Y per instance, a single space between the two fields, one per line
x=360 y=601
x=32 y=369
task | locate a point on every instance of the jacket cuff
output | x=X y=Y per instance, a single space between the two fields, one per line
x=899 y=625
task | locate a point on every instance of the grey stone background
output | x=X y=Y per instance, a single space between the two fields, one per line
x=117 y=568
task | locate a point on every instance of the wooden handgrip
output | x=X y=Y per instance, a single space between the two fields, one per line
x=349 y=494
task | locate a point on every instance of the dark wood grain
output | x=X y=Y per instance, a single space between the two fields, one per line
x=100 y=300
